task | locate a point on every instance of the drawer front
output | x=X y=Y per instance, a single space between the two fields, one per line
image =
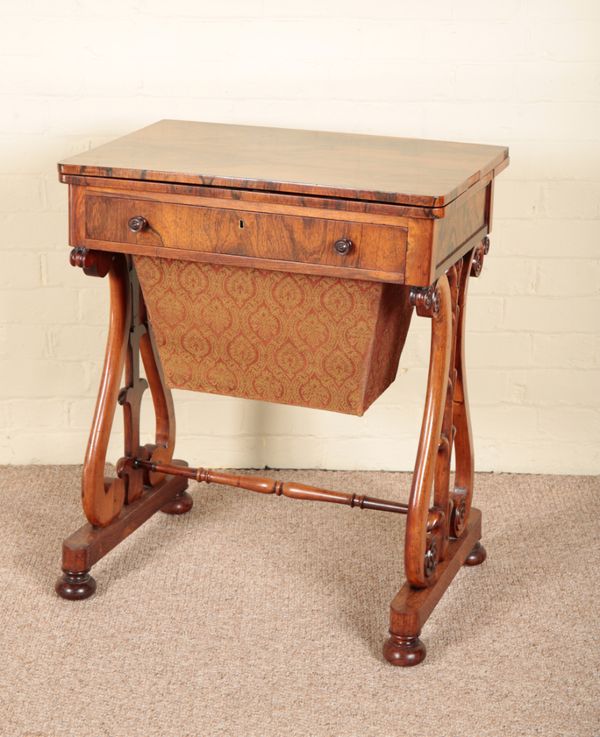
x=313 y=240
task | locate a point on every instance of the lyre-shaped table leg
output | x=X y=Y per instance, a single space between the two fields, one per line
x=442 y=537
x=114 y=507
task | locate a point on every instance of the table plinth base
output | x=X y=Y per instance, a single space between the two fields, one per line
x=89 y=544
x=411 y=607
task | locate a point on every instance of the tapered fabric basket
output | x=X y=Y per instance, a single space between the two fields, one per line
x=312 y=341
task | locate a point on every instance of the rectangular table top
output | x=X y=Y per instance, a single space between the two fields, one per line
x=405 y=171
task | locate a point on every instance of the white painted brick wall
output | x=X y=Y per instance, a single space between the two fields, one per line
x=526 y=73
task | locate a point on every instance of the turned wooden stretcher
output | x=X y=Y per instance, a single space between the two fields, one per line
x=285 y=266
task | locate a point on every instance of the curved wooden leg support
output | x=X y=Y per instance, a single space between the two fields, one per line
x=441 y=490
x=75 y=585
x=103 y=498
x=130 y=397
x=426 y=526
x=421 y=549
x=164 y=412
x=142 y=342
x=462 y=496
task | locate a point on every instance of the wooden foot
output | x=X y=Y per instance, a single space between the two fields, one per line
x=75 y=585
x=476 y=556
x=412 y=606
x=404 y=651
x=180 y=504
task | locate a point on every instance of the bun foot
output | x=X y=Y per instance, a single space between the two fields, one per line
x=75 y=585
x=404 y=651
x=476 y=556
x=179 y=504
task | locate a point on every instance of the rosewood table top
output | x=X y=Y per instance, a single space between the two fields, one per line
x=406 y=171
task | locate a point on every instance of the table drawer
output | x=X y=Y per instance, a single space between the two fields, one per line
x=239 y=232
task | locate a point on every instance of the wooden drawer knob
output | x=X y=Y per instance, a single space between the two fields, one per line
x=137 y=223
x=343 y=246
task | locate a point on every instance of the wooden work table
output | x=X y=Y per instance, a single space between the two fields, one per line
x=281 y=265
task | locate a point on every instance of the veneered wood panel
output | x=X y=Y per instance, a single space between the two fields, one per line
x=464 y=222
x=434 y=245
x=384 y=169
x=244 y=233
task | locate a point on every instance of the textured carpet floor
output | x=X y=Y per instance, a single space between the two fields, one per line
x=256 y=617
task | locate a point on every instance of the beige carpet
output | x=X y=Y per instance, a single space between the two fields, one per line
x=259 y=616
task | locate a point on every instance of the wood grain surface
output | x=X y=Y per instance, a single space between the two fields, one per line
x=244 y=233
x=378 y=168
